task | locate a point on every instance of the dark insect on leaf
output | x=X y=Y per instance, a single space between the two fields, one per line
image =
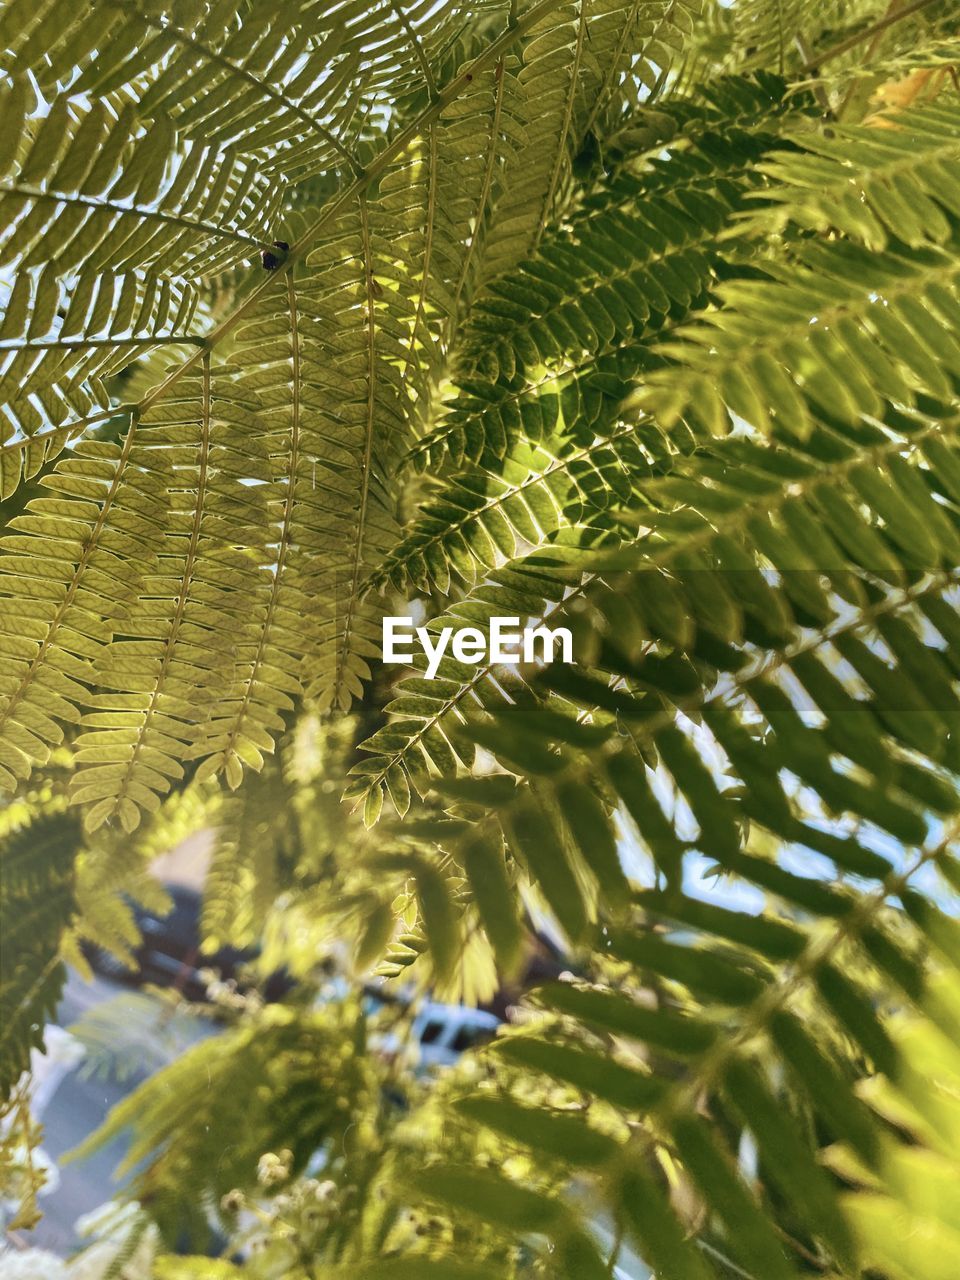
x=273 y=260
x=588 y=162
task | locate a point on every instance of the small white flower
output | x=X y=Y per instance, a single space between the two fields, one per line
x=272 y=1168
x=232 y=1202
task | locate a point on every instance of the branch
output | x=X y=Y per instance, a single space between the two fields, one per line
x=868 y=33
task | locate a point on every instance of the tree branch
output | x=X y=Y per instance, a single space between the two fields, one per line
x=868 y=33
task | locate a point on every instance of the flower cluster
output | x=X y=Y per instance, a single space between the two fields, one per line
x=273 y=1169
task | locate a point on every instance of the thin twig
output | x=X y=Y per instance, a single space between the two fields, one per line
x=615 y=1247
x=729 y=1263
x=808 y=1255
x=893 y=8
x=819 y=92
x=868 y=33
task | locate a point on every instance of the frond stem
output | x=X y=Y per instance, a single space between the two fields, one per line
x=26 y=1000
x=367 y=463
x=186 y=584
x=154 y=215
x=818 y=952
x=614 y=70
x=428 y=236
x=288 y=505
x=485 y=188
x=483 y=672
x=89 y=547
x=83 y=344
x=416 y=44
x=80 y=424
x=555 y=466
x=728 y=1263
x=739 y=682
x=565 y=128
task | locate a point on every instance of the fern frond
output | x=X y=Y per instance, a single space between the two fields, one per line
x=251 y=852
x=484 y=420
x=120 y=221
x=195 y=457
x=91 y=188
x=425 y=737
x=378 y=343
x=635 y=267
x=211 y=1084
x=895 y=720
x=22 y=457
x=334 y=335
x=132 y=1035
x=256 y=264
x=778 y=35
x=874 y=185
x=480 y=519
x=556 y=111
x=914 y=69
x=744 y=593
x=717 y=1046
x=842 y=328
x=475 y=139
x=36 y=902
x=289 y=90
x=60 y=341
x=555 y=345
x=115 y=869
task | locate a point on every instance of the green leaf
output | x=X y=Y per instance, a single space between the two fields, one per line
x=484 y=1194
x=532 y=834
x=591 y=829
x=752 y=1238
x=613 y=1012
x=483 y=862
x=594 y=1073
x=789 y=1161
x=440 y=921
x=657 y=1231
x=565 y=1137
